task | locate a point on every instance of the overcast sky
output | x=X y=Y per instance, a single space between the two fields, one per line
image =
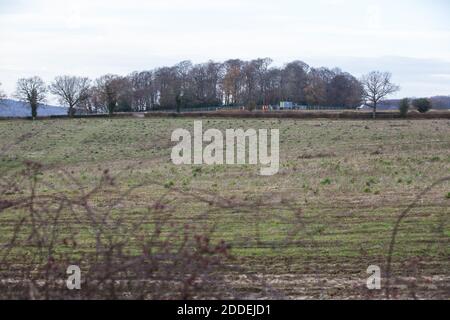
x=410 y=38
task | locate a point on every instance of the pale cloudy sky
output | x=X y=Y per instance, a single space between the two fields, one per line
x=410 y=38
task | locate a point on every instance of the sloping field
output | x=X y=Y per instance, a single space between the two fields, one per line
x=311 y=231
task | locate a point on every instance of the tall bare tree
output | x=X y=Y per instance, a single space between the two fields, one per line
x=232 y=82
x=344 y=91
x=32 y=91
x=71 y=91
x=167 y=85
x=204 y=85
x=273 y=81
x=294 y=81
x=316 y=90
x=112 y=93
x=144 y=90
x=376 y=87
x=253 y=84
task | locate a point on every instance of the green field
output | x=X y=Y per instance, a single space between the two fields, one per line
x=309 y=231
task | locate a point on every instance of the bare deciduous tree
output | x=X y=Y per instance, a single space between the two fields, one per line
x=32 y=91
x=376 y=87
x=345 y=91
x=294 y=81
x=317 y=85
x=232 y=82
x=144 y=90
x=71 y=91
x=112 y=93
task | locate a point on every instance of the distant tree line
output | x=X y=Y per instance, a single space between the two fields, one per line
x=231 y=83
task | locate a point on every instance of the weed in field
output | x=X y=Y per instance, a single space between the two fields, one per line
x=169 y=184
x=371 y=182
x=196 y=171
x=435 y=159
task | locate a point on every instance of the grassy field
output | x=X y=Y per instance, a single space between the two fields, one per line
x=309 y=231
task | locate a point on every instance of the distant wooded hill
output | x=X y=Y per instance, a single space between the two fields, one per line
x=14 y=108
x=438 y=102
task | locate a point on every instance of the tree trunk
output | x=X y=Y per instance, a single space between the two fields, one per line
x=374 y=115
x=111 y=107
x=33 y=111
x=71 y=112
